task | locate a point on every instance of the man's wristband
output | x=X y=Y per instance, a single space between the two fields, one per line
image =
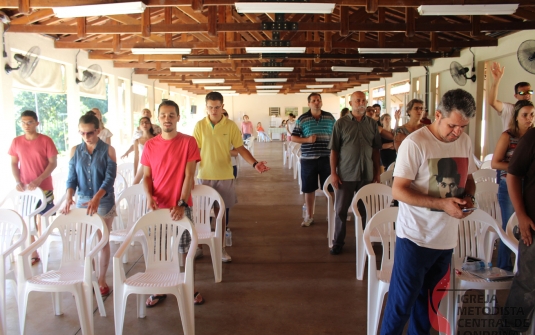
x=254 y=164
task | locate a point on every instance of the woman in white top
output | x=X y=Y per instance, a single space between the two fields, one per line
x=105 y=134
x=147 y=133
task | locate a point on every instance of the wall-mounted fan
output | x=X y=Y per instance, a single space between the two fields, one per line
x=458 y=73
x=91 y=76
x=26 y=63
x=526 y=55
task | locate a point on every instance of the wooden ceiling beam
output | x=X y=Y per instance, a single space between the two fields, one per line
x=409 y=21
x=38 y=15
x=24 y=6
x=344 y=21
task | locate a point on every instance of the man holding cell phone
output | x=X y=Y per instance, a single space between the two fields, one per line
x=433 y=184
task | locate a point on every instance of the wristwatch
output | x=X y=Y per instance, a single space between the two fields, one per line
x=182 y=203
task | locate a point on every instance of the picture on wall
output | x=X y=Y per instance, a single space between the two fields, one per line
x=274 y=111
x=291 y=110
x=305 y=109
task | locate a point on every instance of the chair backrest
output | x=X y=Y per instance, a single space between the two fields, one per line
x=25 y=203
x=472 y=233
x=487 y=199
x=119 y=185
x=127 y=171
x=375 y=198
x=511 y=224
x=133 y=203
x=59 y=182
x=391 y=166
x=488 y=157
x=383 y=225
x=163 y=237
x=387 y=177
x=11 y=226
x=484 y=175
x=486 y=165
x=203 y=198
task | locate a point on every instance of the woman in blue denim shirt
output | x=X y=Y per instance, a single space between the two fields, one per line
x=521 y=122
x=92 y=171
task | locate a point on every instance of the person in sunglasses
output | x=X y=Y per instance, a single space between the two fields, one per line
x=92 y=171
x=415 y=110
x=523 y=91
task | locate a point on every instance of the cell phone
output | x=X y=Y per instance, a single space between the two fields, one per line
x=466 y=210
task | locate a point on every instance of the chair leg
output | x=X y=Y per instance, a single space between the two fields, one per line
x=119 y=310
x=141 y=307
x=217 y=259
x=83 y=313
x=57 y=303
x=100 y=300
x=187 y=313
x=23 y=305
x=361 y=254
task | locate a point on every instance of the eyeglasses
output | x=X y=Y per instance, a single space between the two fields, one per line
x=87 y=134
x=28 y=123
x=418 y=108
x=526 y=92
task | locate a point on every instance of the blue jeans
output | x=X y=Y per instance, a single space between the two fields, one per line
x=507 y=209
x=246 y=136
x=417 y=270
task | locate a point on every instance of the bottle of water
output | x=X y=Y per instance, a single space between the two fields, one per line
x=473 y=266
x=305 y=211
x=228 y=238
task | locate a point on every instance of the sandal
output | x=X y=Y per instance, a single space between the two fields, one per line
x=35 y=260
x=104 y=291
x=195 y=302
x=156 y=299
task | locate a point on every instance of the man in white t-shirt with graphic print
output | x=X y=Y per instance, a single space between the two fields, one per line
x=523 y=91
x=427 y=222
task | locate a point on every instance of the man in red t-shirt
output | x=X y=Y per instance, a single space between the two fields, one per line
x=169 y=162
x=33 y=158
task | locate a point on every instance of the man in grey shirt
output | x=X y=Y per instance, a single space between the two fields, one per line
x=355 y=161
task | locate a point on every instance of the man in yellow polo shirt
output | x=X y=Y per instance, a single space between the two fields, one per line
x=215 y=134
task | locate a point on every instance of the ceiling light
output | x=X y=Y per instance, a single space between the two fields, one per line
x=191 y=69
x=388 y=50
x=273 y=50
x=268 y=87
x=267 y=91
x=332 y=80
x=311 y=91
x=271 y=69
x=217 y=87
x=320 y=86
x=136 y=7
x=270 y=80
x=284 y=7
x=208 y=81
x=227 y=91
x=161 y=51
x=351 y=69
x=500 y=9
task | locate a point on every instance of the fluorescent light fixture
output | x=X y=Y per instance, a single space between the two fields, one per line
x=311 y=91
x=351 y=69
x=388 y=50
x=136 y=7
x=284 y=7
x=191 y=69
x=217 y=87
x=274 y=50
x=161 y=51
x=269 y=87
x=267 y=91
x=270 y=80
x=320 y=86
x=499 y=9
x=332 y=80
x=271 y=69
x=208 y=81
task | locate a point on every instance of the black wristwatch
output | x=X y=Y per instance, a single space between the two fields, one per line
x=254 y=165
x=182 y=203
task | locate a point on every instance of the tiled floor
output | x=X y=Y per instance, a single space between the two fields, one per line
x=282 y=279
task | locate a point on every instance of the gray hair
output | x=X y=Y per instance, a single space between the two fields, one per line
x=459 y=100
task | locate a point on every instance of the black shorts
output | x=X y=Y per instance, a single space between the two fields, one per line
x=310 y=170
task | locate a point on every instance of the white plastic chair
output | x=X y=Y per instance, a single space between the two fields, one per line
x=471 y=242
x=484 y=175
x=249 y=144
x=487 y=200
x=375 y=197
x=488 y=157
x=381 y=224
x=162 y=273
x=296 y=153
x=330 y=211
x=25 y=203
x=131 y=205
x=203 y=198
x=391 y=166
x=120 y=185
x=127 y=171
x=387 y=178
x=486 y=165
x=284 y=152
x=11 y=226
x=75 y=275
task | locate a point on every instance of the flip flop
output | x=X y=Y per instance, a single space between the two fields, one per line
x=104 y=291
x=157 y=298
x=35 y=260
x=197 y=302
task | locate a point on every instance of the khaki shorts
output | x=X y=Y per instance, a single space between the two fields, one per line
x=225 y=188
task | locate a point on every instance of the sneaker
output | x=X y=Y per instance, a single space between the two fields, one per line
x=336 y=250
x=198 y=253
x=307 y=222
x=226 y=257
